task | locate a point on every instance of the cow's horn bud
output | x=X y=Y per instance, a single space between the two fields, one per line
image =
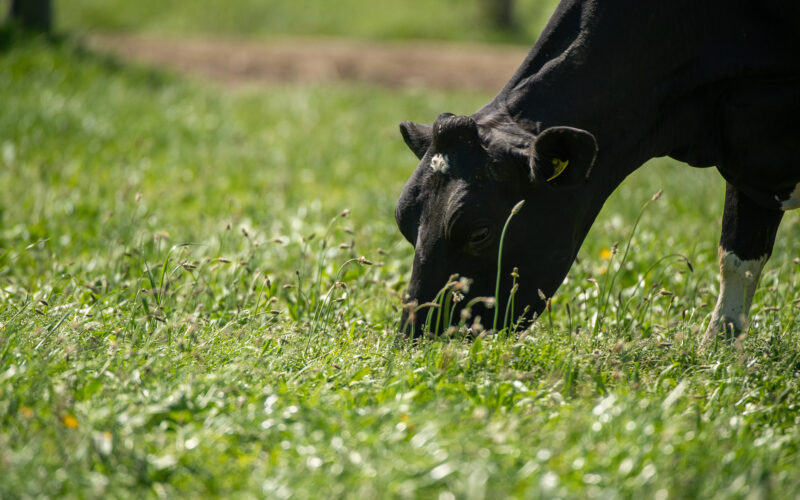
x=450 y=130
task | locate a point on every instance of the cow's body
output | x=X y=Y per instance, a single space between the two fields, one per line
x=713 y=83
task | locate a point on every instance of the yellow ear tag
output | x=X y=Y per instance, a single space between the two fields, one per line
x=558 y=167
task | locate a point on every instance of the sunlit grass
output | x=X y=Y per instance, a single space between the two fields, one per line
x=183 y=312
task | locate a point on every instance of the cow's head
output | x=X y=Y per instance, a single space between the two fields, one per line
x=454 y=206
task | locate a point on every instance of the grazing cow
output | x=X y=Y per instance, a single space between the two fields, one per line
x=608 y=85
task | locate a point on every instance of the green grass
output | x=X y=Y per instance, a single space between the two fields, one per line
x=406 y=19
x=144 y=353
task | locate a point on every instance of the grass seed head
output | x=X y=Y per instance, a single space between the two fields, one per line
x=463 y=285
x=477 y=327
x=434 y=305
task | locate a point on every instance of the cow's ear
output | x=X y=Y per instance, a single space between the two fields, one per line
x=562 y=156
x=418 y=137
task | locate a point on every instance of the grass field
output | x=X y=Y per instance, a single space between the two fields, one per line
x=182 y=313
x=416 y=19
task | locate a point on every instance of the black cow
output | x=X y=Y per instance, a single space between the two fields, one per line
x=608 y=85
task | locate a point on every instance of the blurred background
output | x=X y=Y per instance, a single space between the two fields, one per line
x=397 y=44
x=515 y=21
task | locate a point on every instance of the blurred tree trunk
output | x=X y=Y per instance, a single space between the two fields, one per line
x=35 y=14
x=500 y=12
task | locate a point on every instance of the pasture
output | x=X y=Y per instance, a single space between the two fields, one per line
x=183 y=312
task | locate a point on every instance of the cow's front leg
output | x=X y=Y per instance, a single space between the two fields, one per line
x=748 y=234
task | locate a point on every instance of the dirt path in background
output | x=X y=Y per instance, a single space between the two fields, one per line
x=236 y=63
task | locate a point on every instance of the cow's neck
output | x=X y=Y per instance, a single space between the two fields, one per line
x=589 y=70
x=607 y=67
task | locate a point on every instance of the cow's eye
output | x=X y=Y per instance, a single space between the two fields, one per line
x=479 y=236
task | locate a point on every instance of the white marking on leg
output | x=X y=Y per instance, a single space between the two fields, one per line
x=793 y=201
x=738 y=282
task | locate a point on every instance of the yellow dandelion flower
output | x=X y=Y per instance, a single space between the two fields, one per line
x=605 y=254
x=70 y=421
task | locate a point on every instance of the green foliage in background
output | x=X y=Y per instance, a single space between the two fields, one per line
x=381 y=20
x=183 y=313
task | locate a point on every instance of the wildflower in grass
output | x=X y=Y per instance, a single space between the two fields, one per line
x=605 y=254
x=70 y=421
x=26 y=411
